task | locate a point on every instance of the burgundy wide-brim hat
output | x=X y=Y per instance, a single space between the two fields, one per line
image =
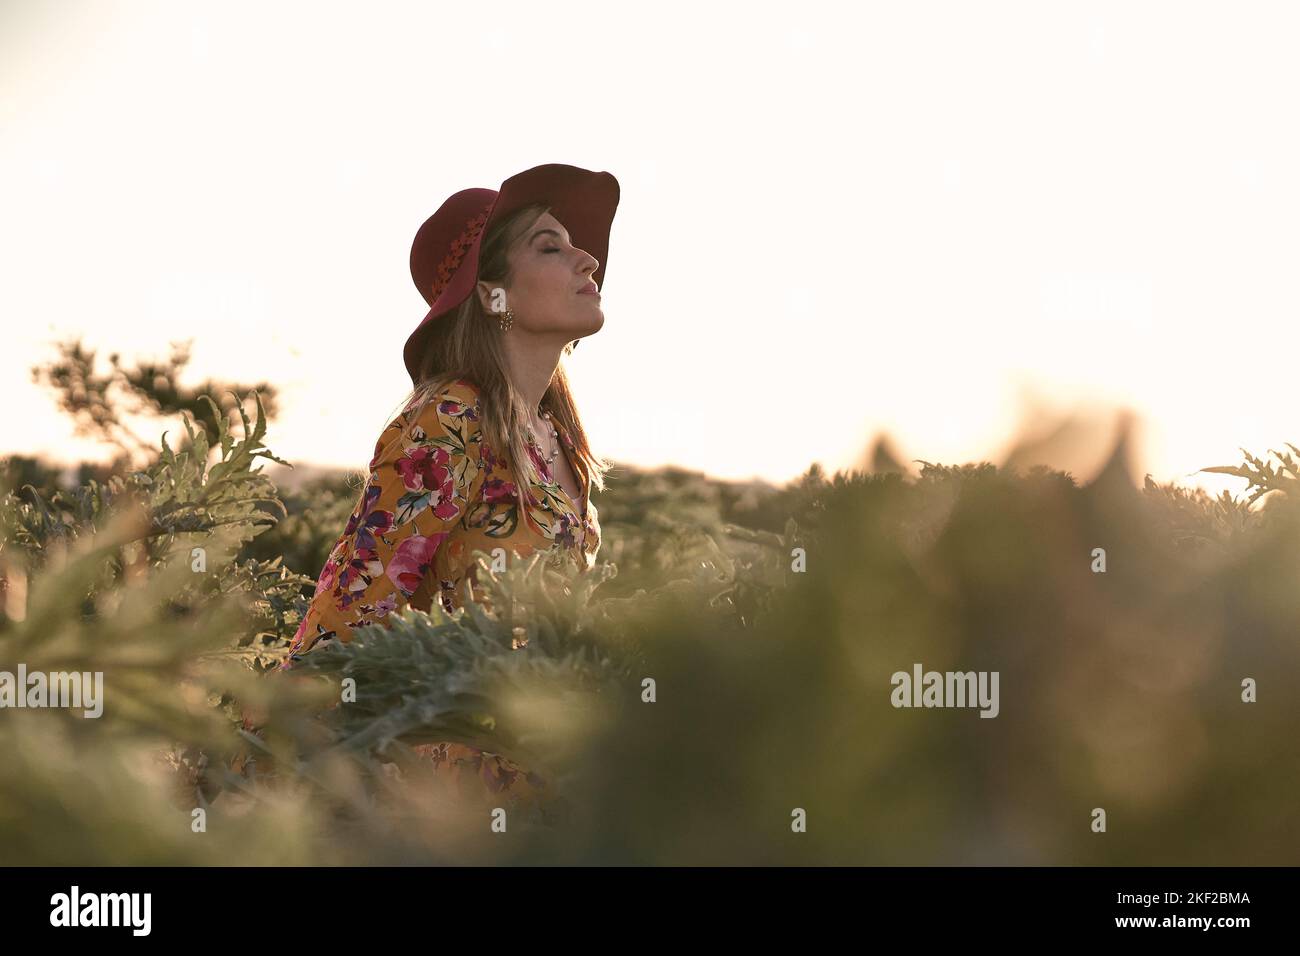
x=445 y=253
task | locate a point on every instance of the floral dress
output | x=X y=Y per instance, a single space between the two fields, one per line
x=435 y=493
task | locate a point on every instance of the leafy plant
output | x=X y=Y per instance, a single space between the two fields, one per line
x=683 y=697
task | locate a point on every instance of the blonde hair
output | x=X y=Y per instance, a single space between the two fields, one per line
x=465 y=343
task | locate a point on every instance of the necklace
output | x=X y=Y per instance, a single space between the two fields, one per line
x=546 y=415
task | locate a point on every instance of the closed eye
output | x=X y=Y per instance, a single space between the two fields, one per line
x=550 y=250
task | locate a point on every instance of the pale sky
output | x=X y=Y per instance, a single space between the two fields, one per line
x=837 y=218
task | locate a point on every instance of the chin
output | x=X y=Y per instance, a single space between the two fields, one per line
x=590 y=324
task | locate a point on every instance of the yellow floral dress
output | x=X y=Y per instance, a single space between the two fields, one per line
x=435 y=493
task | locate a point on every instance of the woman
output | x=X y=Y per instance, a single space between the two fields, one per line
x=489 y=451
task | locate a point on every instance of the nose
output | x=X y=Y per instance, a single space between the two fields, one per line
x=589 y=263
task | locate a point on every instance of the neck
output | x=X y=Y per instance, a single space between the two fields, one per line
x=532 y=362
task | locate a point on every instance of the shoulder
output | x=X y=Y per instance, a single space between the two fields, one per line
x=450 y=418
x=462 y=392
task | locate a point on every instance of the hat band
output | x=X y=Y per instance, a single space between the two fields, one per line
x=447 y=267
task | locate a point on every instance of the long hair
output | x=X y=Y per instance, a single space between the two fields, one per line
x=466 y=343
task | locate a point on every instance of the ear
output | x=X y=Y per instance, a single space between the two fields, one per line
x=485 y=291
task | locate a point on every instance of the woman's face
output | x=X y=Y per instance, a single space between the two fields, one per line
x=547 y=279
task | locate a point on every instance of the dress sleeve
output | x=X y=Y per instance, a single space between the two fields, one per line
x=423 y=478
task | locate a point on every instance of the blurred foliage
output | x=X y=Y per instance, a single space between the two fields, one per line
x=315 y=515
x=1119 y=690
x=97 y=402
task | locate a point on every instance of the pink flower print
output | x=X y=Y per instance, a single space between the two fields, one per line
x=539 y=462
x=564 y=532
x=328 y=575
x=299 y=634
x=497 y=489
x=424 y=468
x=364 y=567
x=411 y=561
x=370 y=499
x=380 y=609
x=457 y=410
x=375 y=523
x=301 y=644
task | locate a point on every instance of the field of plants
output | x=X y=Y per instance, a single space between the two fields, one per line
x=717 y=690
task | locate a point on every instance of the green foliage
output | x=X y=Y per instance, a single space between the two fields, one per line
x=1263 y=476
x=771 y=684
x=314 y=516
x=96 y=401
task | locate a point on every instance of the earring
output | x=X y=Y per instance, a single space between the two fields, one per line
x=507 y=319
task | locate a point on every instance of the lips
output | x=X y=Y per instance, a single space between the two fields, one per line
x=589 y=289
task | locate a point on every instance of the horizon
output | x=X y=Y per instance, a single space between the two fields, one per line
x=995 y=224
